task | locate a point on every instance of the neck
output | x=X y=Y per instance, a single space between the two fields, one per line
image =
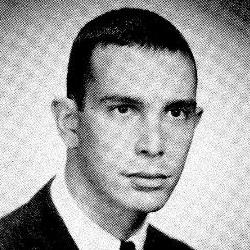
x=122 y=222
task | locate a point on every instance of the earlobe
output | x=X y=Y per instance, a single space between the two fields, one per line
x=199 y=112
x=66 y=117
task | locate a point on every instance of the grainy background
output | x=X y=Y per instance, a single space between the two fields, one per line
x=210 y=208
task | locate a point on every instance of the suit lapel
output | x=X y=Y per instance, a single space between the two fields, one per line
x=47 y=229
x=157 y=240
x=152 y=239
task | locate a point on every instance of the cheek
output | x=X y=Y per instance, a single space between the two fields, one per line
x=105 y=137
x=177 y=144
x=176 y=155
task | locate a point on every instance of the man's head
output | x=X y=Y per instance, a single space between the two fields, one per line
x=133 y=80
x=123 y=27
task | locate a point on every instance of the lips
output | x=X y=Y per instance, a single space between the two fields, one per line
x=145 y=181
x=147 y=175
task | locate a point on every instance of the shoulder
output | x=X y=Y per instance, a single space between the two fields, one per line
x=19 y=225
x=13 y=226
x=158 y=240
x=35 y=225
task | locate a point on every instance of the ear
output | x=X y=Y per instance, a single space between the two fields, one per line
x=66 y=116
x=199 y=112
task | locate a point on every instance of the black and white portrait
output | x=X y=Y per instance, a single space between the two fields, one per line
x=124 y=125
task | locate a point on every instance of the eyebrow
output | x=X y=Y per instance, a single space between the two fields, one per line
x=122 y=99
x=191 y=103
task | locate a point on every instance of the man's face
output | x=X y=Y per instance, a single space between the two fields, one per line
x=137 y=125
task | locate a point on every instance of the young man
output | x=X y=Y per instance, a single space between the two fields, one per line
x=128 y=123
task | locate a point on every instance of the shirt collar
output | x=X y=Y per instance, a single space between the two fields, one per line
x=87 y=234
x=139 y=236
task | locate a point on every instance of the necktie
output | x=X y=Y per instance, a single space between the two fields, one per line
x=127 y=245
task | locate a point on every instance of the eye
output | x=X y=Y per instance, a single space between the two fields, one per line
x=123 y=109
x=178 y=113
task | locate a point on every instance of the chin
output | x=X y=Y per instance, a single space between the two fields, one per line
x=150 y=202
x=150 y=208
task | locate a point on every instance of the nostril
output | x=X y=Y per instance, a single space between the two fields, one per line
x=161 y=153
x=148 y=153
x=145 y=152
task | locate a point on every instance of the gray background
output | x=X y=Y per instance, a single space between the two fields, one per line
x=210 y=207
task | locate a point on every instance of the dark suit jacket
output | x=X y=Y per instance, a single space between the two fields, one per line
x=37 y=225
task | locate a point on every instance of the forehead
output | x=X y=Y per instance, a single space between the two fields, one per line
x=145 y=73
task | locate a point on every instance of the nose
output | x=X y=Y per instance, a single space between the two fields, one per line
x=150 y=139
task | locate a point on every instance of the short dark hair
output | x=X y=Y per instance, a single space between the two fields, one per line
x=126 y=26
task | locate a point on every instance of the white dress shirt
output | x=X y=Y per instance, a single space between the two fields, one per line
x=86 y=234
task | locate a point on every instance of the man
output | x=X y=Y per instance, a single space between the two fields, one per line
x=128 y=123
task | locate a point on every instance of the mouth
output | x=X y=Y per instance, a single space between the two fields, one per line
x=147 y=182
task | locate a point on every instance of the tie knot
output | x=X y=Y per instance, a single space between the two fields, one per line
x=127 y=245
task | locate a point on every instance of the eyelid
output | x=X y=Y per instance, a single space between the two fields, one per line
x=130 y=106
